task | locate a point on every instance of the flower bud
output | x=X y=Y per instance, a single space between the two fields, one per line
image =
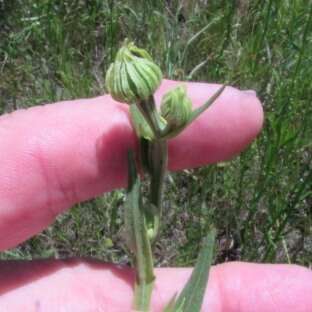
x=133 y=76
x=176 y=108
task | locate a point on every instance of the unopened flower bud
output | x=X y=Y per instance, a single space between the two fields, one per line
x=176 y=108
x=133 y=76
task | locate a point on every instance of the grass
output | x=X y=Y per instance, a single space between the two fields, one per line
x=261 y=201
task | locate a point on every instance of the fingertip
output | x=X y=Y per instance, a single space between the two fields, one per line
x=253 y=111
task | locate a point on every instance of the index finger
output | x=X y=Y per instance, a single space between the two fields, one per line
x=56 y=155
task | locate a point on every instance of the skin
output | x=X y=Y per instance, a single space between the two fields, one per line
x=56 y=155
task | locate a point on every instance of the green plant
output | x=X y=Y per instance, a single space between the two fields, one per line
x=133 y=78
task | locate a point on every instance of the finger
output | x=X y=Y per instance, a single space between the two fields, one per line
x=56 y=155
x=92 y=286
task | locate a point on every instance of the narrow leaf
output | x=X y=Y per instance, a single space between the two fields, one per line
x=170 y=306
x=138 y=240
x=191 y=297
x=202 y=108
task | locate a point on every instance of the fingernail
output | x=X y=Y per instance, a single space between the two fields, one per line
x=250 y=92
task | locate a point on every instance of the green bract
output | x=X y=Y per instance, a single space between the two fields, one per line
x=142 y=129
x=133 y=76
x=176 y=108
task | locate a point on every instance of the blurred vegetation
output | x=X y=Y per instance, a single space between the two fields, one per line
x=261 y=201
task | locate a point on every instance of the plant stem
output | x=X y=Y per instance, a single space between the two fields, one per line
x=142 y=296
x=146 y=220
x=138 y=240
x=158 y=159
x=154 y=155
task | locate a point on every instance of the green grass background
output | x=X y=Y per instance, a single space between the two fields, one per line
x=260 y=201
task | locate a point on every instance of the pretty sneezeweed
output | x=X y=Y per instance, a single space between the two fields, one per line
x=176 y=109
x=132 y=79
x=133 y=76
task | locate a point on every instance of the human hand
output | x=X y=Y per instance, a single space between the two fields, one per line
x=56 y=155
